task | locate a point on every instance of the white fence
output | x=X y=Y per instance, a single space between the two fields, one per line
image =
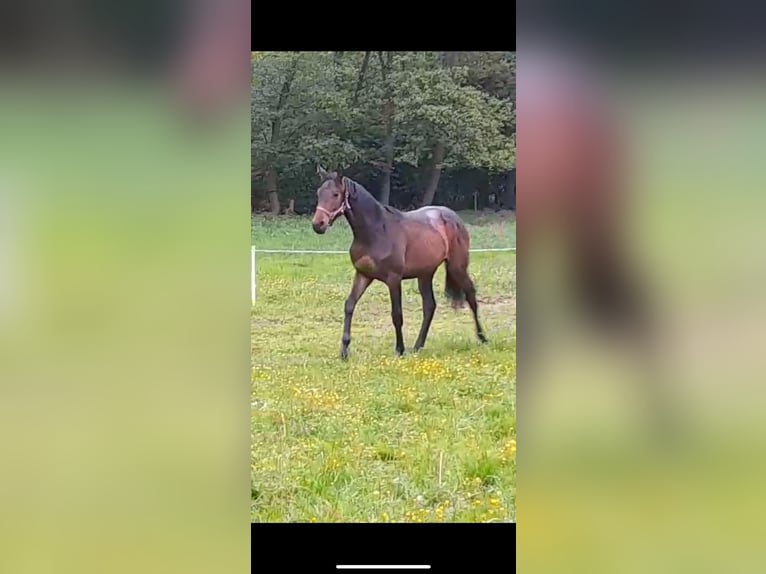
x=253 y=251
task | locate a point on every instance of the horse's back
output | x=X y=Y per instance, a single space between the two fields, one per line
x=433 y=214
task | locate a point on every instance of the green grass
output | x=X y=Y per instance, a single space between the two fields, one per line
x=427 y=437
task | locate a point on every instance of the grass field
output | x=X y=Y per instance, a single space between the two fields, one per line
x=429 y=437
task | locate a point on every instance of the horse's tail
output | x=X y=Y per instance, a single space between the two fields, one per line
x=456 y=279
x=453 y=290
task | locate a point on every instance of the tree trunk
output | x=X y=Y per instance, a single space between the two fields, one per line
x=388 y=152
x=483 y=189
x=272 y=183
x=449 y=59
x=436 y=172
x=510 y=190
x=272 y=190
x=256 y=197
x=360 y=79
x=276 y=125
x=388 y=119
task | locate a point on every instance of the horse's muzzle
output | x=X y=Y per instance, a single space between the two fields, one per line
x=319 y=227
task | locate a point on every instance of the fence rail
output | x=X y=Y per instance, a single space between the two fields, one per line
x=253 y=251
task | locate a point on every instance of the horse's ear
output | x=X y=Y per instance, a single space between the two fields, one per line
x=322 y=172
x=339 y=175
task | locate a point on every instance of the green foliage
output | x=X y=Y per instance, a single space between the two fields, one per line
x=312 y=107
x=306 y=111
x=491 y=72
x=437 y=104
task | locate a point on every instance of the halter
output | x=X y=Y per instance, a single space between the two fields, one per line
x=333 y=215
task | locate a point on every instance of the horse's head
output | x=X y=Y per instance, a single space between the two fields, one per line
x=332 y=200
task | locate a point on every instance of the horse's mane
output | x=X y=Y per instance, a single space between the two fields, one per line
x=369 y=200
x=392 y=210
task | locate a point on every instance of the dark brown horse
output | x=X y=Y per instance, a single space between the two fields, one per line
x=390 y=245
x=573 y=176
x=574 y=157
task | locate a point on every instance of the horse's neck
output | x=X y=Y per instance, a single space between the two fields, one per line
x=366 y=214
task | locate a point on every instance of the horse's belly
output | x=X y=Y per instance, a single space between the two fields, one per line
x=425 y=252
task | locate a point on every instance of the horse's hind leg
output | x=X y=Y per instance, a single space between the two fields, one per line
x=425 y=285
x=470 y=294
x=395 y=290
x=459 y=284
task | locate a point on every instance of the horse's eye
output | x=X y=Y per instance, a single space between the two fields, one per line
x=336 y=194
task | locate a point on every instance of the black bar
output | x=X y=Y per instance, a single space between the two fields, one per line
x=322 y=547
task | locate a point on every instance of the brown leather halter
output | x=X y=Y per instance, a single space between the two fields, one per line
x=333 y=215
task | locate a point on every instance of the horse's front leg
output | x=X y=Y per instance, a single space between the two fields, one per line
x=360 y=285
x=395 y=289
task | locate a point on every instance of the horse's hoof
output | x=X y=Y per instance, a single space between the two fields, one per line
x=344 y=354
x=483 y=339
x=400 y=352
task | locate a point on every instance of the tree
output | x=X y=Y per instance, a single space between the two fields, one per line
x=373 y=112
x=389 y=109
x=269 y=94
x=294 y=107
x=459 y=124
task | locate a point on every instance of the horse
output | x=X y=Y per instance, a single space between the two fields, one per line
x=573 y=159
x=575 y=168
x=390 y=246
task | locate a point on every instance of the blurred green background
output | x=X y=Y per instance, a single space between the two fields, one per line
x=124 y=301
x=601 y=488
